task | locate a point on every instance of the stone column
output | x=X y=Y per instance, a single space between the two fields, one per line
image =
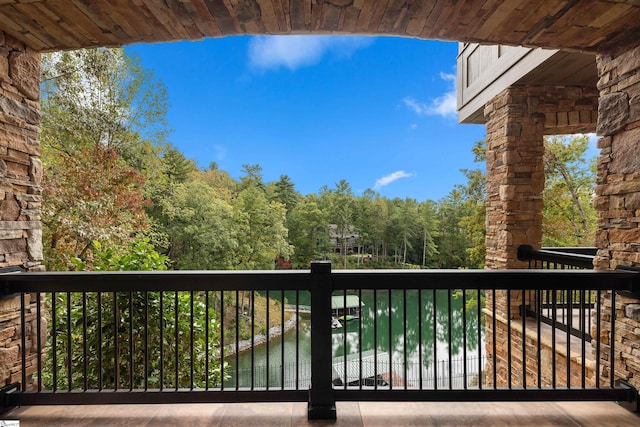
x=617 y=201
x=20 y=196
x=515 y=180
x=517 y=120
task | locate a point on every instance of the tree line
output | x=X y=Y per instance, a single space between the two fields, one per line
x=113 y=178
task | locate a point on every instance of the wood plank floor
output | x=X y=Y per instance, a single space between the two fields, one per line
x=350 y=414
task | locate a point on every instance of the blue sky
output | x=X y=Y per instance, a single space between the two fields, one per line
x=378 y=112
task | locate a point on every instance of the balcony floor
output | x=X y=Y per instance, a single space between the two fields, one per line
x=351 y=414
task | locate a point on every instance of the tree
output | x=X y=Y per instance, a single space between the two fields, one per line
x=308 y=232
x=427 y=212
x=201 y=227
x=340 y=207
x=568 y=218
x=89 y=196
x=103 y=131
x=286 y=193
x=262 y=235
x=474 y=218
x=92 y=96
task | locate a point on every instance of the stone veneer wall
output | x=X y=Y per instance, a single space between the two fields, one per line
x=546 y=356
x=617 y=201
x=20 y=195
x=517 y=120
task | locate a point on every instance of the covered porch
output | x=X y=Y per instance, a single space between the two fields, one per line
x=517 y=120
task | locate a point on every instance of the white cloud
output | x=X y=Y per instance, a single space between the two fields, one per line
x=444 y=105
x=293 y=52
x=388 y=179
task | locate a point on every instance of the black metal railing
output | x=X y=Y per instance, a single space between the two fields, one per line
x=171 y=337
x=568 y=310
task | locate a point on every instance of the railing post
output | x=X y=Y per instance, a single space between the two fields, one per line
x=322 y=403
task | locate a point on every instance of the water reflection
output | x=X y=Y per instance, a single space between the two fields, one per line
x=413 y=336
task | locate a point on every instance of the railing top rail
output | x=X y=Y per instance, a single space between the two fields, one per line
x=578 y=250
x=526 y=253
x=300 y=280
x=517 y=279
x=92 y=281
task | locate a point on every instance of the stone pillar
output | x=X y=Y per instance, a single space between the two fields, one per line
x=617 y=201
x=20 y=195
x=515 y=177
x=517 y=120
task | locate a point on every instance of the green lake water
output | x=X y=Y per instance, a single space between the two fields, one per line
x=417 y=335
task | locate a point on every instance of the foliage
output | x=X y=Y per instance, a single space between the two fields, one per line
x=308 y=232
x=89 y=196
x=133 y=340
x=568 y=217
x=200 y=226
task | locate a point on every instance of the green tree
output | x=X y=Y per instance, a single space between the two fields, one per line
x=308 y=232
x=201 y=228
x=473 y=220
x=116 y=337
x=339 y=204
x=262 y=235
x=103 y=135
x=568 y=217
x=286 y=193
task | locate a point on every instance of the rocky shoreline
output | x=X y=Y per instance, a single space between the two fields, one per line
x=261 y=339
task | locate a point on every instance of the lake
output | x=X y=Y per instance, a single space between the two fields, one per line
x=441 y=333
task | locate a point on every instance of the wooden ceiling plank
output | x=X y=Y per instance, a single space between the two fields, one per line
x=379 y=9
x=286 y=9
x=418 y=11
x=467 y=18
x=168 y=16
x=351 y=15
x=316 y=16
x=626 y=33
x=209 y=26
x=223 y=16
x=609 y=15
x=391 y=15
x=145 y=15
x=298 y=15
x=542 y=28
x=521 y=11
x=121 y=13
x=500 y=14
x=97 y=15
x=445 y=23
x=269 y=19
x=331 y=17
x=44 y=20
x=8 y=22
x=78 y=21
x=280 y=16
x=198 y=21
x=364 y=19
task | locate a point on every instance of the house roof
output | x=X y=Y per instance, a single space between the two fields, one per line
x=337 y=301
x=48 y=25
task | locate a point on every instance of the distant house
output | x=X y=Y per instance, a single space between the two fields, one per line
x=344 y=243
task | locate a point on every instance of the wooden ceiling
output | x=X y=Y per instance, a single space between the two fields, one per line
x=586 y=25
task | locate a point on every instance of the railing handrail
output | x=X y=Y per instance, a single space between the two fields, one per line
x=581 y=258
x=320 y=281
x=517 y=279
x=578 y=250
